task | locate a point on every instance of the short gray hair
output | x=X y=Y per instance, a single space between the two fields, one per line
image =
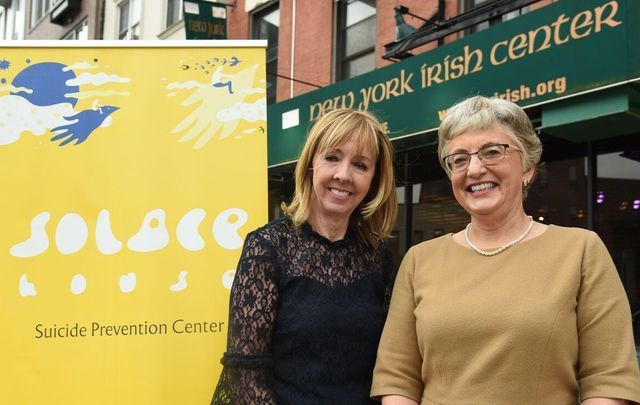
x=482 y=113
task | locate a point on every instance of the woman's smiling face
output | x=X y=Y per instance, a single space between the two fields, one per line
x=494 y=190
x=341 y=180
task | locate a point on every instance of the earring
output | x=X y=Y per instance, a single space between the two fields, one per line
x=525 y=184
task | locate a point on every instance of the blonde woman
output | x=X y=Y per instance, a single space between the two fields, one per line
x=311 y=291
x=509 y=310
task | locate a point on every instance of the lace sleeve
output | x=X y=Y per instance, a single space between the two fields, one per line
x=247 y=371
x=389 y=272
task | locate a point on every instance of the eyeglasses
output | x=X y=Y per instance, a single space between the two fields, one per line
x=488 y=155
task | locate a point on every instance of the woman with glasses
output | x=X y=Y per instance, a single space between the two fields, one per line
x=311 y=291
x=508 y=310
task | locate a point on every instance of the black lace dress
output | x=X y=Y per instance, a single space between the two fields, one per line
x=306 y=316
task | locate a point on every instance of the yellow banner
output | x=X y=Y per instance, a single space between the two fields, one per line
x=130 y=178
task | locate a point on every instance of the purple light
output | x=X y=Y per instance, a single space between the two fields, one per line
x=636 y=202
x=600 y=200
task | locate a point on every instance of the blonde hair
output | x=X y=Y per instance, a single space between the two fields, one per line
x=483 y=113
x=376 y=214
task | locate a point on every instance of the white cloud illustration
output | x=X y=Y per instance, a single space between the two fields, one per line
x=251 y=112
x=96 y=79
x=18 y=115
x=186 y=85
x=78 y=66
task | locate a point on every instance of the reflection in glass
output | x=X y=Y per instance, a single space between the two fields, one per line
x=174 y=12
x=356 y=37
x=360 y=65
x=266 y=25
x=618 y=217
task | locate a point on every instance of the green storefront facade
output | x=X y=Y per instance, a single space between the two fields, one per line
x=573 y=65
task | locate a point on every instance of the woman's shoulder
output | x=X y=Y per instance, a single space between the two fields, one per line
x=430 y=248
x=566 y=241
x=381 y=249
x=557 y=233
x=435 y=243
x=272 y=232
x=379 y=243
x=279 y=225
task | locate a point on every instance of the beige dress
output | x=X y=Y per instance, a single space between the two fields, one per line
x=535 y=324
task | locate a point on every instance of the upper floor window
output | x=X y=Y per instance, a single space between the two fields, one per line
x=174 y=11
x=3 y=33
x=129 y=19
x=12 y=20
x=356 y=38
x=471 y=4
x=266 y=25
x=39 y=8
x=80 y=32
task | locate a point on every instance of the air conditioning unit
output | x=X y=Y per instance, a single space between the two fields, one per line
x=62 y=9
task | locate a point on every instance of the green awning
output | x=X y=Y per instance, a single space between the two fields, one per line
x=598 y=115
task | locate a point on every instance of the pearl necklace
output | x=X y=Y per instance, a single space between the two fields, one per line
x=501 y=248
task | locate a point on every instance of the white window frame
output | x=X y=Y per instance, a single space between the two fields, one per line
x=39 y=9
x=342 y=26
x=258 y=14
x=180 y=16
x=3 y=23
x=74 y=34
x=132 y=25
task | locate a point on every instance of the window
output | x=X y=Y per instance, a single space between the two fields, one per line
x=39 y=8
x=3 y=34
x=266 y=25
x=11 y=21
x=14 y=23
x=356 y=38
x=174 y=11
x=617 y=212
x=81 y=31
x=471 y=4
x=129 y=19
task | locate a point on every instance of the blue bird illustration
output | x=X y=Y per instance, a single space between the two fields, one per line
x=82 y=125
